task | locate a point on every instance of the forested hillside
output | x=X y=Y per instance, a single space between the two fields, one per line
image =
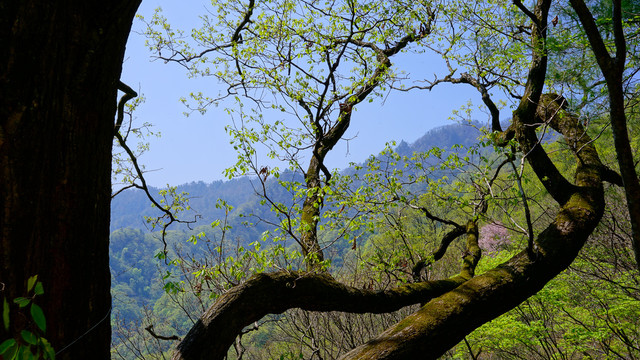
x=518 y=244
x=592 y=309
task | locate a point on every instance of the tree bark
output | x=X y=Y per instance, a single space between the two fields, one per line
x=612 y=68
x=275 y=293
x=59 y=68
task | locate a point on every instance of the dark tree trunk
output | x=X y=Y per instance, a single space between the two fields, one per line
x=59 y=68
x=612 y=68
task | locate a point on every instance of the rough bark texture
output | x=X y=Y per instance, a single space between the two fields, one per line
x=59 y=67
x=612 y=68
x=275 y=293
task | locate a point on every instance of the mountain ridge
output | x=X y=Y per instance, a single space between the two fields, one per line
x=129 y=208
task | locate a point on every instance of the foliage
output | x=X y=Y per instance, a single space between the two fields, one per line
x=31 y=343
x=556 y=302
x=590 y=310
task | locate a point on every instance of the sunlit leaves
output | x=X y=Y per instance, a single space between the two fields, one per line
x=574 y=315
x=289 y=68
x=288 y=54
x=172 y=201
x=385 y=202
x=488 y=40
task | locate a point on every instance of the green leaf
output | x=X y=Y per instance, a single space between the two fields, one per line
x=39 y=288
x=4 y=347
x=38 y=316
x=5 y=314
x=11 y=352
x=22 y=301
x=29 y=337
x=49 y=353
x=31 y=282
x=25 y=353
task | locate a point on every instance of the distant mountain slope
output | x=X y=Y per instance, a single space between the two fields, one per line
x=443 y=137
x=129 y=208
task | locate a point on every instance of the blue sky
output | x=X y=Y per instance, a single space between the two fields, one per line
x=196 y=148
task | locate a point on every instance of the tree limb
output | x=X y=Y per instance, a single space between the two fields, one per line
x=160 y=337
x=130 y=94
x=613 y=69
x=277 y=292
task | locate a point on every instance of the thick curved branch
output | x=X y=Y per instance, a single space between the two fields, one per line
x=275 y=293
x=523 y=129
x=444 y=321
x=446 y=240
x=538 y=69
x=128 y=95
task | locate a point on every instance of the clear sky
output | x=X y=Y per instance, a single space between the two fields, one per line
x=196 y=148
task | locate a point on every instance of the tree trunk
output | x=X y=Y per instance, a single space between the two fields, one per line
x=613 y=69
x=59 y=69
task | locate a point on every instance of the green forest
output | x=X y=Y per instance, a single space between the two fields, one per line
x=591 y=310
x=513 y=233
